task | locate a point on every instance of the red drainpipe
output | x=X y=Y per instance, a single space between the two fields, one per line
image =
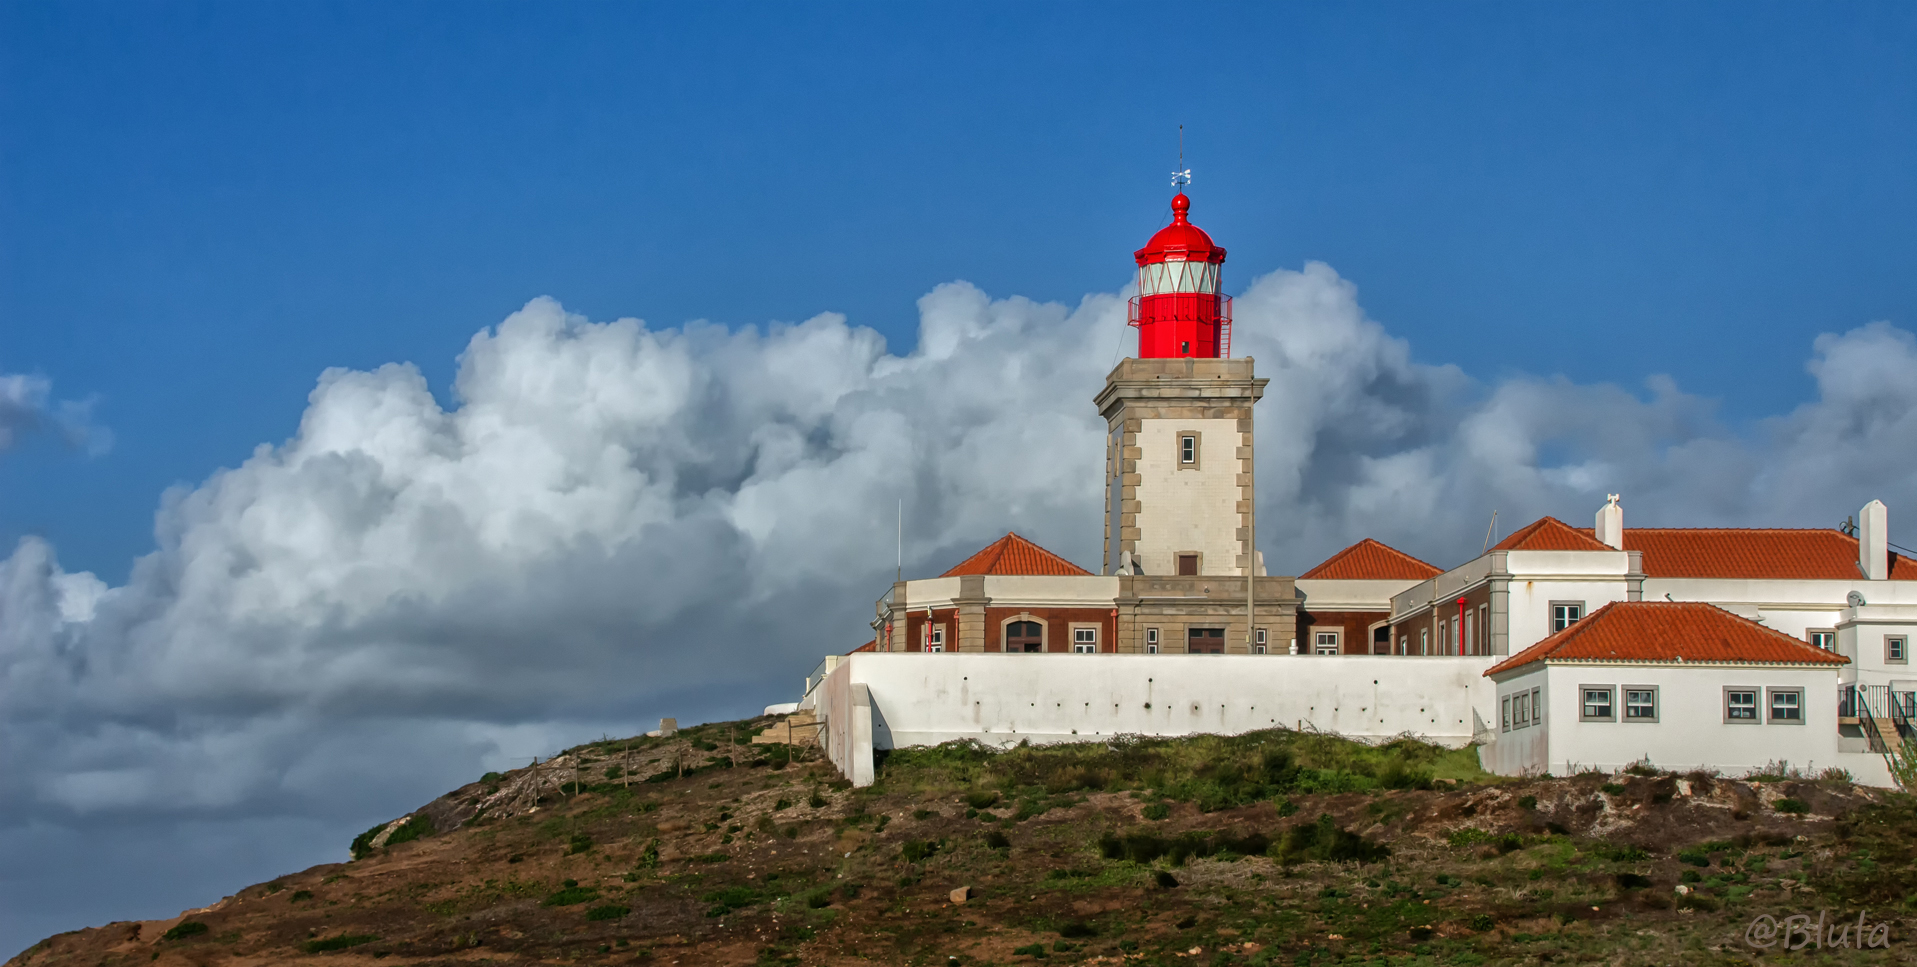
x=1460 y=626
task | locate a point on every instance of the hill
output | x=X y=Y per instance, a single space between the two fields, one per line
x=1271 y=848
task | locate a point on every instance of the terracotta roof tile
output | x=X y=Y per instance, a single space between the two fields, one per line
x=1013 y=554
x=1370 y=560
x=1550 y=534
x=1669 y=631
x=1808 y=554
x=872 y=645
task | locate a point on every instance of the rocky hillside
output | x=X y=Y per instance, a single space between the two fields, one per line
x=1273 y=848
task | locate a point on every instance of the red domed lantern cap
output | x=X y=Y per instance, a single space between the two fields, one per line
x=1181 y=238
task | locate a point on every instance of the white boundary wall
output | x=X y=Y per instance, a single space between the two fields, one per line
x=915 y=700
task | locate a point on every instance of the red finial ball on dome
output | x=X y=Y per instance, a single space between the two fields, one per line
x=1179 y=310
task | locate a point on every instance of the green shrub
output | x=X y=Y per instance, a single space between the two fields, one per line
x=1613 y=788
x=818 y=899
x=338 y=943
x=994 y=839
x=299 y=895
x=1794 y=806
x=184 y=929
x=490 y=778
x=578 y=843
x=731 y=898
x=1029 y=950
x=610 y=911
x=1077 y=930
x=984 y=799
x=922 y=814
x=1695 y=857
x=1632 y=881
x=816 y=801
x=570 y=894
x=1326 y=841
x=782 y=804
x=1505 y=843
x=917 y=850
x=1527 y=802
x=414 y=828
x=1616 y=852
x=1155 y=811
x=1483 y=922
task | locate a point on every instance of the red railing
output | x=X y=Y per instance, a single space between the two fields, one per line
x=1189 y=307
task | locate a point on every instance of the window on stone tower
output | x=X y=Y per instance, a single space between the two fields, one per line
x=1188 y=564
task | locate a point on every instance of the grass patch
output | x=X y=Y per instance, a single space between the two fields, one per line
x=610 y=911
x=184 y=929
x=569 y=894
x=340 y=942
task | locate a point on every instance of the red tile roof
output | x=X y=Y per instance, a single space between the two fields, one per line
x=872 y=645
x=1551 y=534
x=1013 y=554
x=1369 y=560
x=1753 y=554
x=1669 y=631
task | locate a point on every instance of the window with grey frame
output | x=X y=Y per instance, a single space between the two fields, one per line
x=1640 y=703
x=1787 y=706
x=1564 y=614
x=1896 y=649
x=1537 y=706
x=1826 y=640
x=1506 y=714
x=1740 y=705
x=1597 y=703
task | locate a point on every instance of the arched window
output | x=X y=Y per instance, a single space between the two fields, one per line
x=1024 y=637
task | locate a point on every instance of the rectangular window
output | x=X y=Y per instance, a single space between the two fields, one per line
x=1261 y=639
x=1597 y=704
x=1325 y=643
x=1506 y=713
x=1740 y=705
x=1444 y=638
x=1897 y=650
x=1085 y=641
x=1640 y=703
x=1564 y=614
x=1520 y=710
x=1787 y=706
x=1483 y=639
x=1151 y=641
x=1537 y=705
x=1187 y=564
x=1826 y=640
x=936 y=641
x=1424 y=641
x=1205 y=641
x=1188 y=448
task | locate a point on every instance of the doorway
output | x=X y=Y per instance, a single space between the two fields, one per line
x=1024 y=637
x=1205 y=641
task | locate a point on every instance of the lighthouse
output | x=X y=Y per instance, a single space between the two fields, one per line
x=1179 y=310
x=1178 y=483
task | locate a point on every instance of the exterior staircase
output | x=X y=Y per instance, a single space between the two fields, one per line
x=801 y=728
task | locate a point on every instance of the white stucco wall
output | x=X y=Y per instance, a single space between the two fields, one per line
x=1690 y=732
x=1517 y=751
x=1530 y=604
x=1350 y=595
x=1183 y=510
x=1004 y=699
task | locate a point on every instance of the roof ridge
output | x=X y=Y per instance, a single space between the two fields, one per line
x=1594 y=624
x=1363 y=544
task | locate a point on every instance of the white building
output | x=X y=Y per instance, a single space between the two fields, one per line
x=1680 y=685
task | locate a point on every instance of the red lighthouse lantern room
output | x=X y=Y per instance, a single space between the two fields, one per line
x=1179 y=310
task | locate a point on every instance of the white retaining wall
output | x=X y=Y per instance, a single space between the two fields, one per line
x=915 y=699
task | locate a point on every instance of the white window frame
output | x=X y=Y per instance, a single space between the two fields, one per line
x=1084 y=639
x=1258 y=645
x=1823 y=638
x=1585 y=703
x=1771 y=695
x=1555 y=605
x=1191 y=450
x=1656 y=711
x=1151 y=641
x=937 y=644
x=1755 y=707
x=1334 y=639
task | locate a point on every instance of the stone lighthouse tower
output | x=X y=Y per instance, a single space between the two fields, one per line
x=1179 y=467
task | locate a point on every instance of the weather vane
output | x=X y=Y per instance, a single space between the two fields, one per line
x=1182 y=176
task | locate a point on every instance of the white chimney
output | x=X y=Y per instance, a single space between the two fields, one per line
x=1610 y=523
x=1873 y=541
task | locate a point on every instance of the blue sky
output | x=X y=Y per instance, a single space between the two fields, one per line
x=1470 y=242
x=203 y=206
